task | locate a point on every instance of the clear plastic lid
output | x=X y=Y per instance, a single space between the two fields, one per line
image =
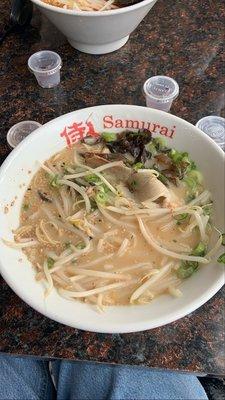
x=19 y=131
x=161 y=88
x=214 y=127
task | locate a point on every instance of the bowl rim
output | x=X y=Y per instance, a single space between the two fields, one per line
x=86 y=325
x=121 y=10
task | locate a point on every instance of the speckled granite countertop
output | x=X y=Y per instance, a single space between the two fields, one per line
x=178 y=38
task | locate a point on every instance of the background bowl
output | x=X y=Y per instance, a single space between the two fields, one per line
x=16 y=173
x=96 y=32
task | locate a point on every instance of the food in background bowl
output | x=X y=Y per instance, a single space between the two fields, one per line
x=117 y=222
x=23 y=164
x=96 y=32
x=91 y=5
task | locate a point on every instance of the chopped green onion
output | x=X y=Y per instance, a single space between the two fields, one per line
x=105 y=188
x=207 y=209
x=186 y=269
x=93 y=205
x=152 y=149
x=223 y=239
x=50 y=262
x=109 y=136
x=190 y=197
x=67 y=169
x=193 y=165
x=163 y=178
x=181 y=217
x=25 y=207
x=196 y=175
x=178 y=156
x=138 y=165
x=67 y=245
x=101 y=197
x=133 y=185
x=193 y=179
x=191 y=184
x=92 y=178
x=185 y=168
x=54 y=181
x=156 y=145
x=159 y=143
x=221 y=259
x=200 y=250
x=80 y=246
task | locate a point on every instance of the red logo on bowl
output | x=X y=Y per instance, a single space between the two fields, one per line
x=78 y=131
x=109 y=122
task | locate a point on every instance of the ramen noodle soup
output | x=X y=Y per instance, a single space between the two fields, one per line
x=91 y=5
x=116 y=222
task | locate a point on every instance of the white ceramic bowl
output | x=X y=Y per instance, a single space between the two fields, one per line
x=96 y=32
x=46 y=141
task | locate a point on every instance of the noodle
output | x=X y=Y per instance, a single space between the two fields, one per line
x=99 y=274
x=23 y=245
x=48 y=278
x=154 y=276
x=97 y=290
x=123 y=248
x=79 y=190
x=113 y=220
x=169 y=253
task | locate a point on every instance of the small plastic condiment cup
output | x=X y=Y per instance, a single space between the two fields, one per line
x=19 y=131
x=46 y=65
x=160 y=92
x=214 y=127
